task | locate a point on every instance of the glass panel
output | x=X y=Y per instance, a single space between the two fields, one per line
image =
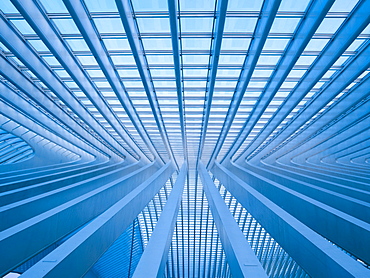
x=196 y=24
x=101 y=6
x=205 y=5
x=343 y=5
x=262 y=73
x=242 y=5
x=162 y=73
x=66 y=26
x=54 y=6
x=123 y=60
x=293 y=5
x=305 y=60
x=275 y=44
x=153 y=25
x=235 y=44
x=149 y=5
x=240 y=24
x=195 y=59
x=109 y=25
x=159 y=59
x=38 y=45
x=116 y=44
x=284 y=25
x=268 y=60
x=329 y=25
x=156 y=44
x=196 y=44
x=356 y=44
x=7 y=7
x=95 y=73
x=228 y=73
x=87 y=60
x=78 y=44
x=52 y=61
x=316 y=44
x=23 y=26
x=129 y=73
x=62 y=73
x=232 y=59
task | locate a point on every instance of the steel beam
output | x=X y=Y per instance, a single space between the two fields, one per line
x=347 y=187
x=84 y=23
x=220 y=18
x=317 y=256
x=128 y=21
x=60 y=217
x=268 y=13
x=351 y=28
x=37 y=121
x=352 y=70
x=239 y=254
x=177 y=67
x=322 y=192
x=344 y=108
x=96 y=237
x=153 y=261
x=12 y=40
x=36 y=202
x=50 y=36
x=312 y=211
x=23 y=190
x=345 y=138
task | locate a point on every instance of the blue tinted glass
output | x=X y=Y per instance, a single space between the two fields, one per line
x=149 y=5
x=54 y=6
x=316 y=44
x=205 y=5
x=101 y=5
x=293 y=5
x=268 y=60
x=78 y=45
x=38 y=45
x=7 y=7
x=232 y=59
x=329 y=25
x=52 y=61
x=155 y=44
x=284 y=25
x=159 y=59
x=23 y=26
x=66 y=26
x=196 y=43
x=123 y=60
x=235 y=44
x=242 y=5
x=109 y=25
x=240 y=24
x=87 y=60
x=275 y=44
x=116 y=44
x=343 y=5
x=195 y=59
x=153 y=25
x=200 y=24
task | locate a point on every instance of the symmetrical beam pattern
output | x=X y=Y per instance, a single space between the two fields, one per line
x=265 y=104
x=240 y=256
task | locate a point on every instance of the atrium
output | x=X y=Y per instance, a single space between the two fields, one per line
x=185 y=138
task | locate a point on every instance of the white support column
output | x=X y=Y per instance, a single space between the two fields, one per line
x=240 y=256
x=154 y=258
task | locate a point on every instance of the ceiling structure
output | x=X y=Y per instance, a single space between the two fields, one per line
x=274 y=94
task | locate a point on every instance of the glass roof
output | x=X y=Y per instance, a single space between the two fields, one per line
x=190 y=83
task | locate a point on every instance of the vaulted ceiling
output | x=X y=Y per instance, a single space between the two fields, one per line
x=270 y=83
